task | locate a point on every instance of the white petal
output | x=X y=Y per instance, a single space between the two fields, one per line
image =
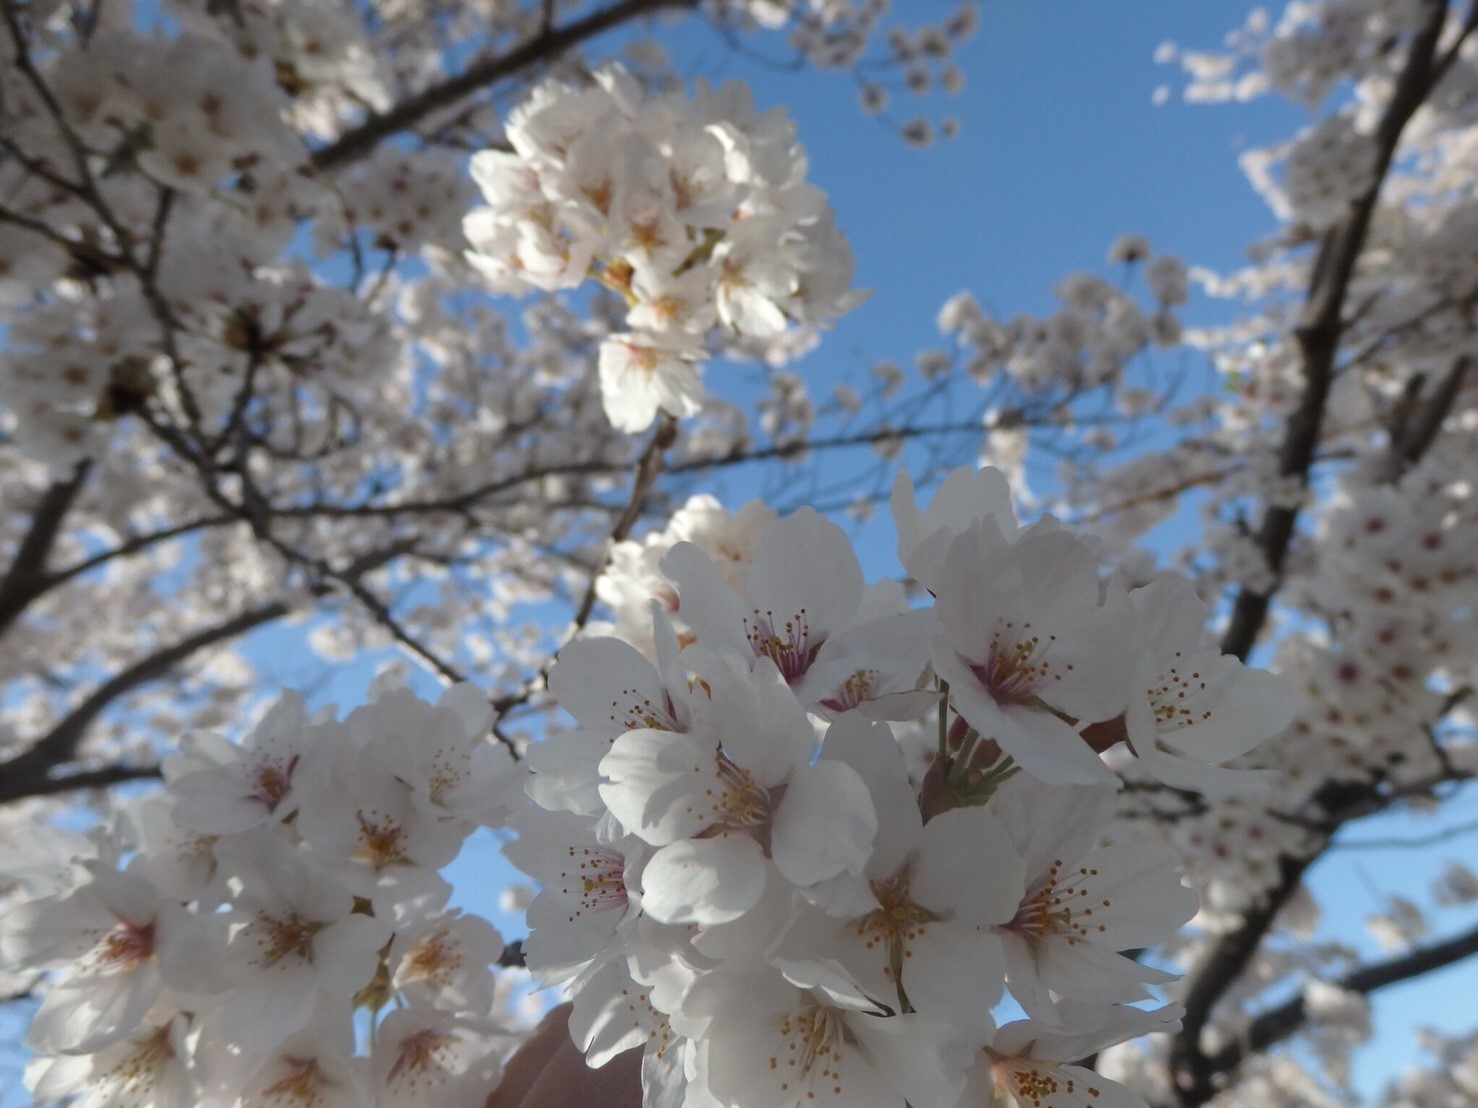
x=955 y=972
x=968 y=867
x=704 y=881
x=656 y=784
x=825 y=824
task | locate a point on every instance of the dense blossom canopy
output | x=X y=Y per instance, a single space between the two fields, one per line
x=1015 y=824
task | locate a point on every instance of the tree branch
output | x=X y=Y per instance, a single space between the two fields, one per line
x=359 y=141
x=29 y=773
x=1190 y=1070
x=648 y=468
x=27 y=568
x=1318 y=337
x=1420 y=432
x=1273 y=1026
x=99 y=778
x=790 y=449
x=131 y=545
x=1321 y=324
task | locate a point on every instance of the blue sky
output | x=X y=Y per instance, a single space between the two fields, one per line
x=1060 y=150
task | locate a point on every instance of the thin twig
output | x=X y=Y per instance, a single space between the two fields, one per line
x=648 y=468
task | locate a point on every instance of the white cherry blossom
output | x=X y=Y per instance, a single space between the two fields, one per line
x=1026 y=637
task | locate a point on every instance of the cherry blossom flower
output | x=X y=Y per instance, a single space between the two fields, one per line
x=769 y=1041
x=1029 y=1065
x=589 y=890
x=963 y=498
x=640 y=376
x=423 y=1057
x=294 y=934
x=1083 y=903
x=113 y=933
x=151 y=1065
x=232 y=787
x=315 y=1066
x=696 y=214
x=737 y=789
x=1200 y=706
x=1026 y=637
x=447 y=962
x=785 y=614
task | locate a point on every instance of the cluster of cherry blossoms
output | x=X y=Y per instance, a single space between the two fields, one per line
x=698 y=214
x=802 y=842
x=154 y=183
x=217 y=937
x=800 y=848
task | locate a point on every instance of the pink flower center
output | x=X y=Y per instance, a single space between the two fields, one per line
x=283 y=937
x=1016 y=664
x=596 y=877
x=1059 y=907
x=742 y=802
x=304 y=1084
x=853 y=691
x=127 y=945
x=274 y=778
x=789 y=644
x=435 y=958
x=139 y=1071
x=420 y=1055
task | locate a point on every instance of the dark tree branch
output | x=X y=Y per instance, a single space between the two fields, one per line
x=1318 y=336
x=1192 y=1071
x=648 y=469
x=27 y=569
x=1278 y=1024
x=548 y=43
x=380 y=611
x=741 y=455
x=1420 y=432
x=100 y=778
x=31 y=770
x=131 y=545
x=512 y=956
x=1321 y=323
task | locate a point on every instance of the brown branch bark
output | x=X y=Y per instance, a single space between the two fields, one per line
x=30 y=772
x=648 y=468
x=100 y=778
x=548 y=43
x=131 y=545
x=1278 y=1024
x=1194 y=1072
x=33 y=771
x=1321 y=321
x=1190 y=1069
x=1421 y=431
x=28 y=568
x=785 y=450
